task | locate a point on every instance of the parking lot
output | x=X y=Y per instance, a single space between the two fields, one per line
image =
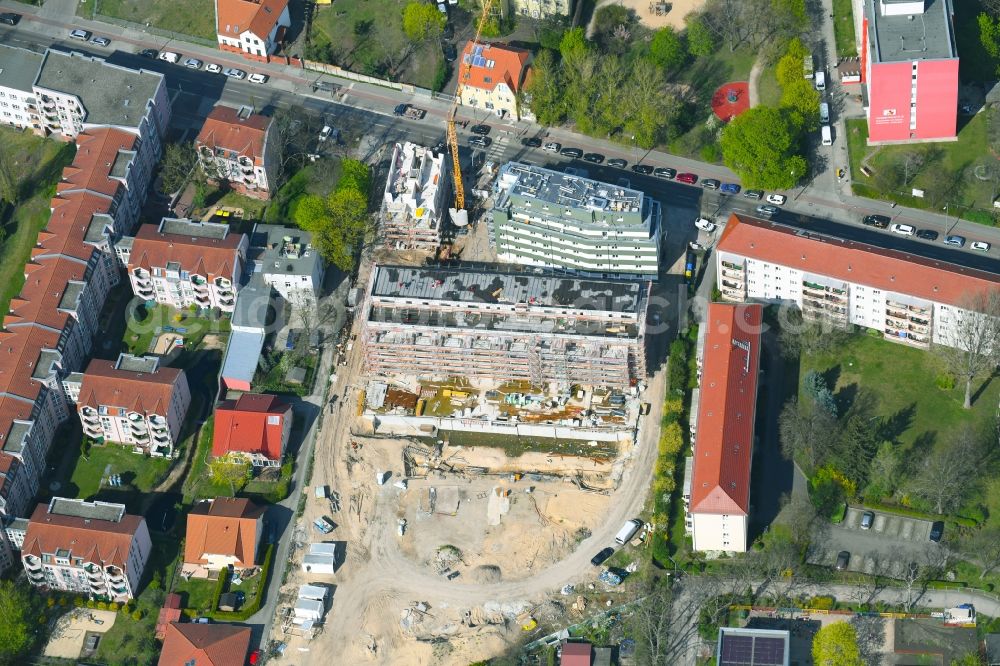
x=888 y=547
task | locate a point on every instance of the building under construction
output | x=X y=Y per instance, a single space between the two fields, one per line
x=415 y=201
x=504 y=323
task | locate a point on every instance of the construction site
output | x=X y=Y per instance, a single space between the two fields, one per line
x=415 y=201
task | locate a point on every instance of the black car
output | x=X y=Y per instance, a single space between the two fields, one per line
x=754 y=194
x=644 y=169
x=878 y=221
x=531 y=143
x=575 y=153
x=937 y=530
x=449 y=31
x=480 y=129
x=843 y=559
x=602 y=557
x=400 y=109
x=450 y=52
x=927 y=234
x=768 y=210
x=480 y=141
x=665 y=172
x=10 y=18
x=617 y=163
x=149 y=53
x=596 y=158
x=711 y=184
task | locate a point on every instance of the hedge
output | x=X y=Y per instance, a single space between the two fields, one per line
x=254 y=606
x=220 y=587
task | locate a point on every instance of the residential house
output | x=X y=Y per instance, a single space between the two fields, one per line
x=239 y=148
x=253 y=425
x=723 y=448
x=287 y=261
x=415 y=202
x=131 y=401
x=253 y=28
x=575 y=654
x=494 y=75
x=198 y=644
x=906 y=298
x=93 y=548
x=18 y=68
x=222 y=532
x=747 y=646
x=182 y=263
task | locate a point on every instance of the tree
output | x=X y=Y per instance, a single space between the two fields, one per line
x=548 y=101
x=836 y=645
x=971 y=343
x=573 y=44
x=16 y=632
x=989 y=34
x=422 y=21
x=789 y=66
x=807 y=433
x=799 y=337
x=982 y=546
x=857 y=447
x=884 y=472
x=802 y=99
x=829 y=490
x=231 y=470
x=699 y=37
x=946 y=476
x=179 y=159
x=651 y=621
x=666 y=49
x=310 y=213
x=11 y=173
x=339 y=223
x=761 y=146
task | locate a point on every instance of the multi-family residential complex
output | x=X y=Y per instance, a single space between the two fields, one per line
x=910 y=68
x=909 y=299
x=93 y=548
x=415 y=203
x=182 y=263
x=496 y=75
x=253 y=28
x=504 y=323
x=549 y=218
x=719 y=506
x=285 y=259
x=17 y=96
x=131 y=401
x=222 y=532
x=15 y=495
x=253 y=425
x=239 y=147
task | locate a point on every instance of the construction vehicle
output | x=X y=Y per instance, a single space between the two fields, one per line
x=460 y=216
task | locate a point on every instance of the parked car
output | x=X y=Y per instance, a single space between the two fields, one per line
x=602 y=556
x=323 y=525
x=705 y=224
x=711 y=184
x=617 y=163
x=877 y=221
x=937 y=530
x=688 y=178
x=754 y=194
x=981 y=246
x=234 y=73
x=843 y=559
x=665 y=172
x=956 y=241
x=777 y=199
x=324 y=134
x=575 y=153
x=212 y=68
x=927 y=234
x=595 y=158
x=169 y=56
x=730 y=188
x=100 y=41
x=258 y=78
x=149 y=53
x=10 y=18
x=644 y=169
x=82 y=35
x=480 y=129
x=867 y=518
x=450 y=52
x=531 y=143
x=480 y=141
x=255 y=657
x=768 y=210
x=552 y=147
x=902 y=229
x=193 y=63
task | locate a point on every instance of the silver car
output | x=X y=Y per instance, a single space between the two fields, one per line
x=193 y=63
x=957 y=241
x=234 y=73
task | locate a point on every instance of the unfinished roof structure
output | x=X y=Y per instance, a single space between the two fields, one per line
x=416 y=198
x=506 y=323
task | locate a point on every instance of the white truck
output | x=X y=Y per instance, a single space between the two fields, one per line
x=628 y=531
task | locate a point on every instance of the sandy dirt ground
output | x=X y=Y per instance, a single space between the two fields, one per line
x=678 y=9
x=68 y=636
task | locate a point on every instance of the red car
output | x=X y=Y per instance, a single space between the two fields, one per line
x=255 y=657
x=688 y=178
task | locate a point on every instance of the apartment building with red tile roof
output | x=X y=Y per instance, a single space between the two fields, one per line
x=907 y=298
x=493 y=75
x=254 y=28
x=205 y=645
x=723 y=447
x=15 y=495
x=239 y=147
x=93 y=548
x=222 y=532
x=255 y=425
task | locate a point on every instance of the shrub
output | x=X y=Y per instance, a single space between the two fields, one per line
x=102 y=606
x=113 y=607
x=710 y=153
x=90 y=603
x=821 y=603
x=50 y=602
x=137 y=614
x=78 y=602
x=945 y=381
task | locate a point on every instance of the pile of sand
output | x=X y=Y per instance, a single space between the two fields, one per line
x=487 y=573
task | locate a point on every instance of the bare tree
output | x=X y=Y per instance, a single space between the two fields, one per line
x=949 y=473
x=807 y=432
x=911 y=576
x=911 y=163
x=879 y=568
x=972 y=340
x=991 y=6
x=982 y=546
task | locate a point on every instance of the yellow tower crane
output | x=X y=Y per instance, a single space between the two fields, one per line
x=464 y=72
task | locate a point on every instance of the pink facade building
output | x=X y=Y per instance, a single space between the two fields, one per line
x=911 y=70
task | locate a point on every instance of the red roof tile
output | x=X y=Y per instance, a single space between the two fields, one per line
x=223 y=526
x=724 y=444
x=205 y=645
x=171 y=612
x=575 y=654
x=43 y=290
x=223 y=128
x=99 y=541
x=141 y=392
x=71 y=216
x=242 y=425
x=210 y=257
x=96 y=151
x=889 y=270
x=508 y=65
x=234 y=17
x=19 y=350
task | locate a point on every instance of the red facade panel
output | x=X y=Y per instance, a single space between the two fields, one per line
x=889 y=97
x=937 y=99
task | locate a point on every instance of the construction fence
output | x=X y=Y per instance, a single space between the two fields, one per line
x=422 y=426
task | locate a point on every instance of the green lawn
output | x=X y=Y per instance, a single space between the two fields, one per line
x=196 y=594
x=143 y=324
x=190 y=17
x=768 y=88
x=40 y=163
x=198 y=485
x=139 y=473
x=843 y=29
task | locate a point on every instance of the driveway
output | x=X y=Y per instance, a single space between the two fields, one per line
x=892 y=542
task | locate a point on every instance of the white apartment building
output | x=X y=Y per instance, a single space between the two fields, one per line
x=548 y=218
x=718 y=510
x=909 y=299
x=252 y=27
x=181 y=263
x=286 y=260
x=240 y=148
x=415 y=201
x=18 y=68
x=131 y=401
x=92 y=548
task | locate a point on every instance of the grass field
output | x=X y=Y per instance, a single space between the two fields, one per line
x=196 y=593
x=768 y=88
x=198 y=485
x=40 y=162
x=843 y=29
x=190 y=17
x=137 y=471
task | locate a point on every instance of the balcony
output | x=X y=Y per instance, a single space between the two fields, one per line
x=32 y=564
x=161 y=437
x=89 y=416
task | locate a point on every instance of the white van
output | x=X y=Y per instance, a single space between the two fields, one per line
x=827 y=136
x=169 y=56
x=824 y=113
x=820 y=80
x=628 y=531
